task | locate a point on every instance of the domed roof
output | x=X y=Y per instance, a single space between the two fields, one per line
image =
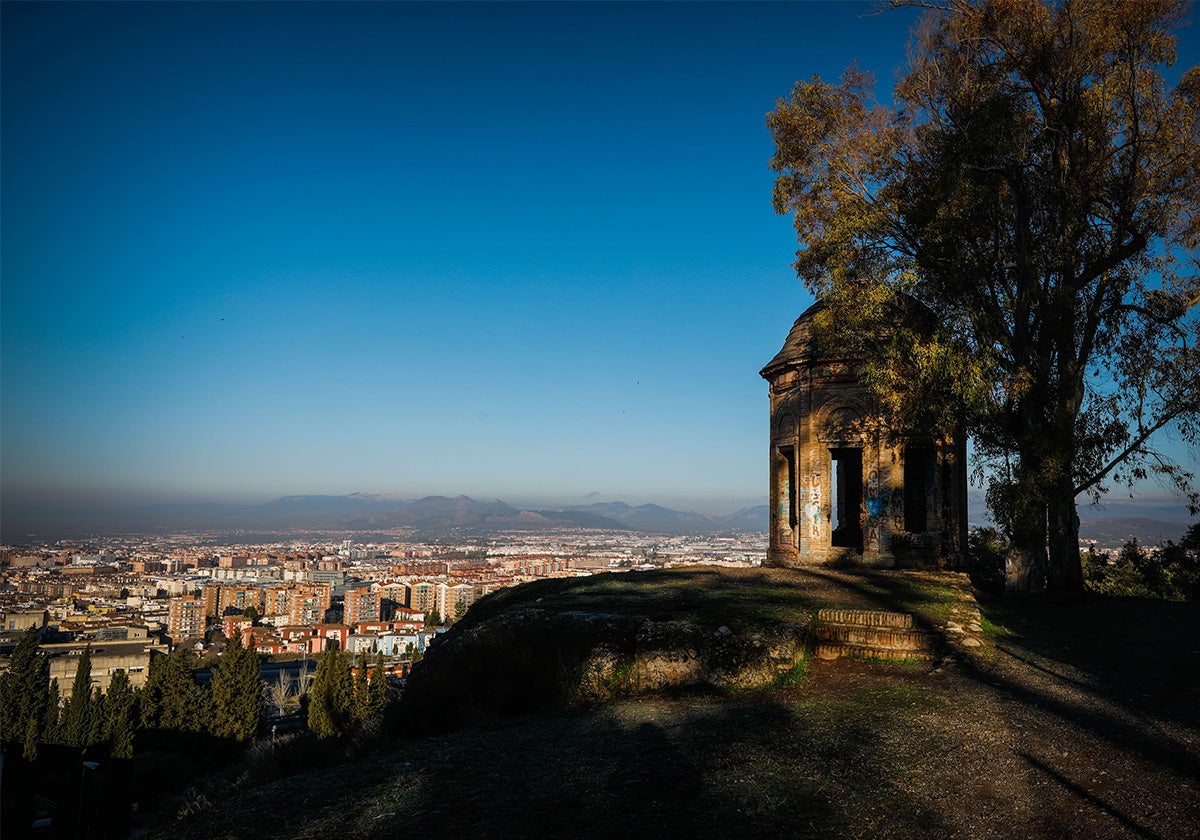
x=801 y=347
x=798 y=346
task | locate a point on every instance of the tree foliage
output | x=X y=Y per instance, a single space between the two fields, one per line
x=53 y=709
x=237 y=692
x=331 y=697
x=24 y=689
x=1172 y=572
x=1035 y=185
x=120 y=708
x=362 y=699
x=378 y=696
x=78 y=714
x=171 y=699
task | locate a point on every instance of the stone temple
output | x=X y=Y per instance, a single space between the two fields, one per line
x=845 y=488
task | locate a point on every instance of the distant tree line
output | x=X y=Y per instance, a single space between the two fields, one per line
x=230 y=707
x=1172 y=572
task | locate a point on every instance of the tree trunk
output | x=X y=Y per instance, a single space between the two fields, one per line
x=1025 y=564
x=1065 y=570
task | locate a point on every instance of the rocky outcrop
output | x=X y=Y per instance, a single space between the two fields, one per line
x=529 y=658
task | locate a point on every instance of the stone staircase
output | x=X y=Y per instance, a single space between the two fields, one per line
x=871 y=634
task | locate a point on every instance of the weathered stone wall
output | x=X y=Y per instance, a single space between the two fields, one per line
x=837 y=472
x=529 y=658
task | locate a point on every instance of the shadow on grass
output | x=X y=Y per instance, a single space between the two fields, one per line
x=683 y=765
x=1108 y=665
x=728 y=596
x=1140 y=659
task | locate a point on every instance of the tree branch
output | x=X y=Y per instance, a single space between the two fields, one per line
x=1143 y=435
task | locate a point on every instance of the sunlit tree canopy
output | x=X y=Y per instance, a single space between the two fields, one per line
x=1033 y=184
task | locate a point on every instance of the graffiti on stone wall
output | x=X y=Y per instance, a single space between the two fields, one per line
x=873 y=506
x=811 y=509
x=883 y=507
x=896 y=508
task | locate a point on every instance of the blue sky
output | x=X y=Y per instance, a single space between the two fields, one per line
x=512 y=250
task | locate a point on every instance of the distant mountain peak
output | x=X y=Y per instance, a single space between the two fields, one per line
x=363 y=511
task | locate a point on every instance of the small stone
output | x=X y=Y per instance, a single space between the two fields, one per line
x=970 y=642
x=723 y=630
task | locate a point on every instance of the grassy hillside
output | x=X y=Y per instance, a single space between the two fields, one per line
x=1069 y=720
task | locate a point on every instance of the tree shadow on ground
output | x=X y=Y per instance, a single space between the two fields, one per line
x=689 y=765
x=1139 y=652
x=1108 y=663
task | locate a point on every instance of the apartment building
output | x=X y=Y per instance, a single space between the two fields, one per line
x=422 y=596
x=360 y=605
x=185 y=618
x=309 y=603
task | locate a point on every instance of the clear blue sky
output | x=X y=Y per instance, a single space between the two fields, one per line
x=523 y=251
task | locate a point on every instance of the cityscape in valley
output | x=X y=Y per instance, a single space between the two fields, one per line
x=141 y=596
x=299 y=592
x=290 y=595
x=117 y=614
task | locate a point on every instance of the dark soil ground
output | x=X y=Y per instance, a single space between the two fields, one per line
x=1077 y=719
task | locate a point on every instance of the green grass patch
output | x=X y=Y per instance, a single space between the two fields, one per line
x=793 y=677
x=991 y=630
x=733 y=597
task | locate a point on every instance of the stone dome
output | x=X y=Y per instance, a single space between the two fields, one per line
x=798 y=346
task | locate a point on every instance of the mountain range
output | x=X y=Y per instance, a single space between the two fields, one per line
x=366 y=512
x=441 y=516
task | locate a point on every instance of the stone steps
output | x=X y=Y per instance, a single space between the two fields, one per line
x=871 y=634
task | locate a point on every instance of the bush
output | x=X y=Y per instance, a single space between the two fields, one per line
x=988 y=548
x=1172 y=573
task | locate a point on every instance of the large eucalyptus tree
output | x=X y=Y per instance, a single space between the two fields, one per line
x=1035 y=184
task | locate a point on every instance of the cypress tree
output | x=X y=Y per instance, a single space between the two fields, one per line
x=378 y=690
x=171 y=698
x=23 y=694
x=50 y=720
x=76 y=720
x=120 y=710
x=237 y=692
x=97 y=719
x=30 y=743
x=362 y=703
x=331 y=698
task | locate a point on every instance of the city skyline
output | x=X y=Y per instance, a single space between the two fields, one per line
x=516 y=251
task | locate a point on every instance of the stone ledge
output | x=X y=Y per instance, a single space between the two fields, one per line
x=885 y=638
x=865 y=618
x=835 y=650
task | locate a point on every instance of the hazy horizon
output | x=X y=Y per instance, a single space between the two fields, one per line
x=54 y=512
